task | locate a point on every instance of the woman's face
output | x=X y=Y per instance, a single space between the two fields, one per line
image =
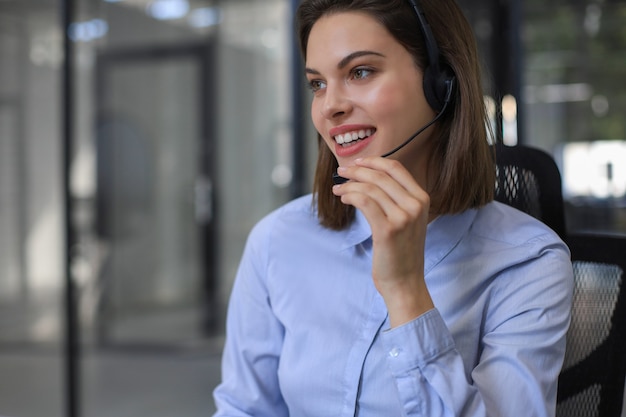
x=367 y=91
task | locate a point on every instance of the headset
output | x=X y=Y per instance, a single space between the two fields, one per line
x=439 y=82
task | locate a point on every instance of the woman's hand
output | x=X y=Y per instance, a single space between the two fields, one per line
x=397 y=209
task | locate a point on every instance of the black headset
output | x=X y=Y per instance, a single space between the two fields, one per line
x=439 y=81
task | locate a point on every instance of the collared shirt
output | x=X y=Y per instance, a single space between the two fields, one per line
x=308 y=334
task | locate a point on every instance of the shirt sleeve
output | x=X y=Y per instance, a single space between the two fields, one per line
x=249 y=384
x=521 y=352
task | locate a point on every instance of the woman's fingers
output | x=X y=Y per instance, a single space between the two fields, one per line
x=385 y=183
x=394 y=205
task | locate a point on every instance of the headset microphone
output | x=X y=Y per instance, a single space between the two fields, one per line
x=439 y=83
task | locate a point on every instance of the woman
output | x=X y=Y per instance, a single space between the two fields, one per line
x=404 y=291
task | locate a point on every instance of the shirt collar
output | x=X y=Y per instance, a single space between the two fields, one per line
x=358 y=232
x=442 y=236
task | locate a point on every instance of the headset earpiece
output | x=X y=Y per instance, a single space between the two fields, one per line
x=438 y=87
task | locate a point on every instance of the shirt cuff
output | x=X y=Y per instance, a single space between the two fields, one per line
x=417 y=342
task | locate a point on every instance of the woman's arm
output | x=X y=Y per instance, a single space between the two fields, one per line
x=519 y=358
x=249 y=384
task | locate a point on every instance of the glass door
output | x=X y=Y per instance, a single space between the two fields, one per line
x=154 y=198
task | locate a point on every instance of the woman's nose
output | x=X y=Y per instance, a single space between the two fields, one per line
x=336 y=103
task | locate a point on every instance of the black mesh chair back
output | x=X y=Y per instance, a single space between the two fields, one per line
x=529 y=180
x=591 y=383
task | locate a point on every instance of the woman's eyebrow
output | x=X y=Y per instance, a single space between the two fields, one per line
x=346 y=60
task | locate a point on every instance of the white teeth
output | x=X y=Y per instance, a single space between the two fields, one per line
x=352 y=136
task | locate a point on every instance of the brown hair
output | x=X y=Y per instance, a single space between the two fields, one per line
x=462 y=155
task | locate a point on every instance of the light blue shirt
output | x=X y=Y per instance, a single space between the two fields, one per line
x=308 y=334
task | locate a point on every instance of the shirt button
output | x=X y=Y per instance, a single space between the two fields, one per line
x=394 y=353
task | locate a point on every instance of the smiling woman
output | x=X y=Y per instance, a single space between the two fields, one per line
x=465 y=176
x=405 y=290
x=365 y=81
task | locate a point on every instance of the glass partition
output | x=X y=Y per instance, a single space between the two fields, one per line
x=553 y=76
x=574 y=100
x=183 y=139
x=31 y=199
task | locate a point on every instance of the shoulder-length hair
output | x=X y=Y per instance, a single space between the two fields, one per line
x=462 y=156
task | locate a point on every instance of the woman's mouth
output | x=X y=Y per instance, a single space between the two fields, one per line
x=350 y=138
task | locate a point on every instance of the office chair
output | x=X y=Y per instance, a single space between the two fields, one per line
x=529 y=180
x=591 y=383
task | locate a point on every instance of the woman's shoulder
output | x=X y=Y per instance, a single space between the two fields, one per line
x=519 y=249
x=505 y=224
x=296 y=215
x=298 y=211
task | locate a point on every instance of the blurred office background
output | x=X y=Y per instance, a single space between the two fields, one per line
x=140 y=140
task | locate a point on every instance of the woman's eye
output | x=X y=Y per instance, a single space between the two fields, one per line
x=316 y=85
x=360 y=73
